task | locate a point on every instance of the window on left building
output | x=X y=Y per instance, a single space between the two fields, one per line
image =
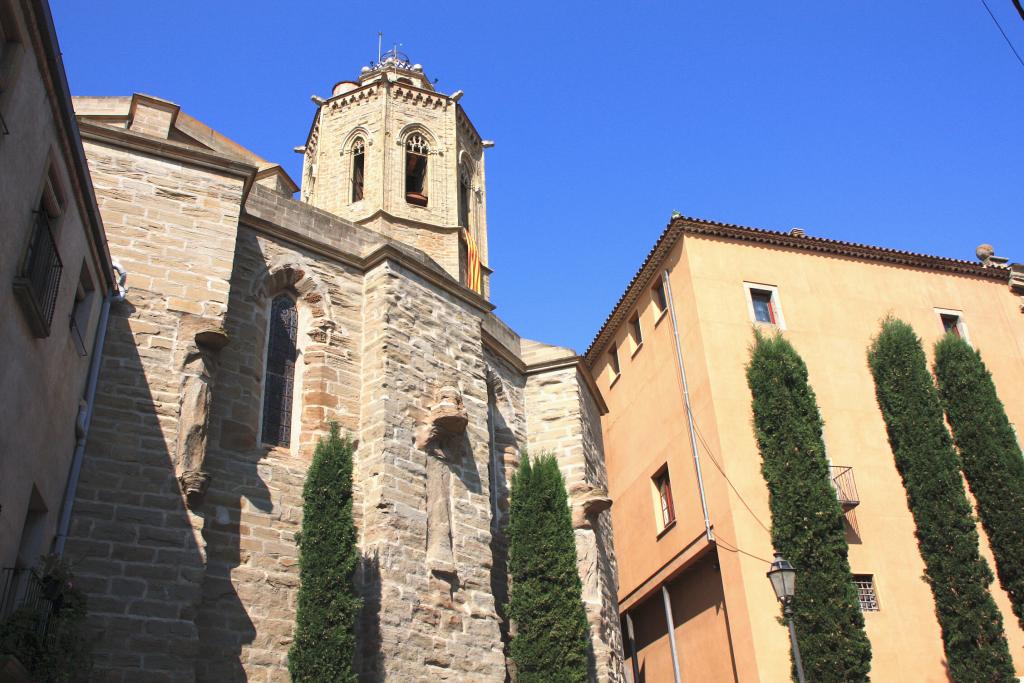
x=39 y=273
x=279 y=376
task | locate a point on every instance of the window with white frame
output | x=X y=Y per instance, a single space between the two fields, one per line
x=763 y=304
x=952 y=322
x=666 y=511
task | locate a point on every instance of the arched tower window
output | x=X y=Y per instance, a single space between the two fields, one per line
x=465 y=185
x=358 y=168
x=279 y=379
x=416 y=151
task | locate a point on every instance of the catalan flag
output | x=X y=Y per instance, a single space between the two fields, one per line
x=474 y=279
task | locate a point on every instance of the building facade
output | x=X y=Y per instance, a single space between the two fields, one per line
x=690 y=513
x=251 y=321
x=58 y=281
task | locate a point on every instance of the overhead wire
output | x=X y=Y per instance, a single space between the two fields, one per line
x=1005 y=37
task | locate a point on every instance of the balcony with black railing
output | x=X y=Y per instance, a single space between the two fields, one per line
x=21 y=590
x=38 y=280
x=845 y=486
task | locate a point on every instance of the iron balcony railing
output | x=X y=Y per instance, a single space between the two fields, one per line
x=39 y=280
x=845 y=486
x=21 y=589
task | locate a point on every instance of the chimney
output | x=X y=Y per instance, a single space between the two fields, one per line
x=798 y=232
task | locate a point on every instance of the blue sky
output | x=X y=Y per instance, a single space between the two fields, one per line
x=899 y=124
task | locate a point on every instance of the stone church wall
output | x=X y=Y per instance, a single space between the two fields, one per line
x=435 y=612
x=184 y=524
x=563 y=418
x=133 y=543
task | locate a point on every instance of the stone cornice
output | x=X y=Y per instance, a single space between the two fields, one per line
x=187 y=154
x=565 y=362
x=378 y=255
x=681 y=225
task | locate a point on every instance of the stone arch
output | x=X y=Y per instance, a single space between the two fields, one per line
x=292 y=273
x=354 y=134
x=411 y=128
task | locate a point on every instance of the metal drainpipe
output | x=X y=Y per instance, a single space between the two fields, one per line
x=689 y=409
x=85 y=412
x=671 y=624
x=631 y=634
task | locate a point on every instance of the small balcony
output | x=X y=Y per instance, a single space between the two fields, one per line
x=38 y=279
x=845 y=486
x=22 y=589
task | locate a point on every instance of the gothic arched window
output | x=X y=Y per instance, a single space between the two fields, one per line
x=416 y=151
x=358 y=167
x=279 y=377
x=465 y=185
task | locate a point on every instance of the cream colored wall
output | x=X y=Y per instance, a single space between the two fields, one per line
x=832 y=307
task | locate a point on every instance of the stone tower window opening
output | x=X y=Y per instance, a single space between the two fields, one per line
x=416 y=150
x=279 y=377
x=465 y=195
x=358 y=169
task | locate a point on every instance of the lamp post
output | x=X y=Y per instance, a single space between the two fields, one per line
x=783 y=578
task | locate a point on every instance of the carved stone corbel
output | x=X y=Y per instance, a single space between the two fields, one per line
x=207 y=339
x=588 y=502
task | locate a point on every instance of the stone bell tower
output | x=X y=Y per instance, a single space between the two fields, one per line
x=391 y=153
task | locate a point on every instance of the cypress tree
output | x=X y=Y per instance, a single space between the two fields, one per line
x=991 y=457
x=546 y=599
x=807 y=521
x=327 y=602
x=972 y=627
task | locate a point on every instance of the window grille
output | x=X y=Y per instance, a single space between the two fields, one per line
x=865 y=584
x=279 y=383
x=39 y=279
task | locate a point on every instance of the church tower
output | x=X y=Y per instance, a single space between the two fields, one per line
x=390 y=152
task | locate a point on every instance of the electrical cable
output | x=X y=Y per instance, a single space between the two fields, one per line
x=711 y=455
x=736 y=549
x=1005 y=37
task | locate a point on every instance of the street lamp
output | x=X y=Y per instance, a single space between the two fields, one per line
x=783 y=578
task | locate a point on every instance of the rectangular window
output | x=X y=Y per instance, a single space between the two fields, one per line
x=613 y=360
x=951 y=323
x=658 y=294
x=663 y=488
x=82 y=310
x=635 y=332
x=38 y=278
x=865 y=584
x=764 y=311
x=463 y=202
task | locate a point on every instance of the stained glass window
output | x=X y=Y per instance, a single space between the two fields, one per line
x=279 y=382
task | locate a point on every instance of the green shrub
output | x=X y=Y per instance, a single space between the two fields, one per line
x=991 y=457
x=972 y=627
x=328 y=605
x=550 y=640
x=807 y=521
x=60 y=653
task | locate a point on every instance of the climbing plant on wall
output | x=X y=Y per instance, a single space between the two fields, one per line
x=807 y=521
x=545 y=603
x=972 y=626
x=991 y=457
x=328 y=605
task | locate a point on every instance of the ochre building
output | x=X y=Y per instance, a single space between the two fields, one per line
x=250 y=321
x=693 y=552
